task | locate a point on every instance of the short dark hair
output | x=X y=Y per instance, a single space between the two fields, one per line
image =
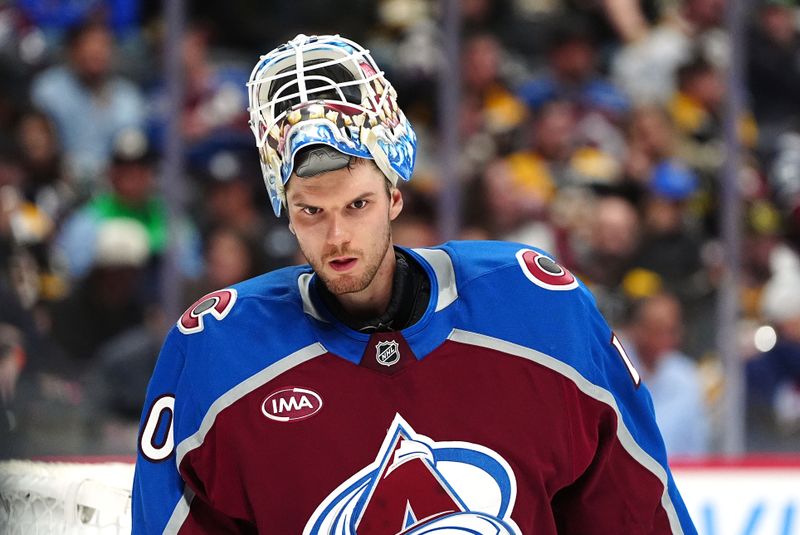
x=77 y=32
x=570 y=30
x=696 y=66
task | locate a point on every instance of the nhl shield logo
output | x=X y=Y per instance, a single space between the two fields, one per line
x=387 y=353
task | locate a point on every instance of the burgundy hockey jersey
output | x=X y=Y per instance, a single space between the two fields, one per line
x=509 y=408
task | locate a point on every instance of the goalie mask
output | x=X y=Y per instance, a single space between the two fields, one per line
x=325 y=90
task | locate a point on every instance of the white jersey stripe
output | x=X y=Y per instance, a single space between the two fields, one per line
x=445 y=276
x=180 y=513
x=304 y=284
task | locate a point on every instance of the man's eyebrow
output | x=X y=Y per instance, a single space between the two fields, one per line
x=303 y=204
x=363 y=195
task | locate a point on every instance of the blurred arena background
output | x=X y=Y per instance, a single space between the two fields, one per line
x=652 y=146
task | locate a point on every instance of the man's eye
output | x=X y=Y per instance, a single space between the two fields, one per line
x=310 y=210
x=359 y=204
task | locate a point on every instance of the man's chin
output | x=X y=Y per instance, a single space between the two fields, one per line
x=344 y=284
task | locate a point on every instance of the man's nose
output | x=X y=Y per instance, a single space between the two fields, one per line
x=338 y=231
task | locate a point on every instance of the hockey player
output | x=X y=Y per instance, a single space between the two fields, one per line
x=466 y=388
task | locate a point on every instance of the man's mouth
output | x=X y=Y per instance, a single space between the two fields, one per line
x=343 y=264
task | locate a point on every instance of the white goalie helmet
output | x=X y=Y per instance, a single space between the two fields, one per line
x=325 y=90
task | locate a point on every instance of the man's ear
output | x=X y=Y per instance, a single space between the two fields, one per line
x=291 y=228
x=395 y=203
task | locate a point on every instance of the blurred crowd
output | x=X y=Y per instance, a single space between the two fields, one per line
x=591 y=129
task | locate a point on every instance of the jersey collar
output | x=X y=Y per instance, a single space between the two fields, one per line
x=427 y=333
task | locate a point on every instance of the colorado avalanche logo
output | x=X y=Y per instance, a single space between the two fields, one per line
x=417 y=486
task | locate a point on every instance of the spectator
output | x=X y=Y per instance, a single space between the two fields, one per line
x=536 y=172
x=650 y=140
x=520 y=187
x=12 y=94
x=109 y=300
x=598 y=106
x=784 y=182
x=773 y=68
x=668 y=247
x=645 y=68
x=23 y=347
x=132 y=195
x=697 y=112
x=230 y=202
x=614 y=238
x=490 y=116
x=214 y=106
x=415 y=231
x=88 y=103
x=572 y=76
x=117 y=381
x=230 y=256
x=764 y=248
x=45 y=182
x=58 y=17
x=26 y=235
x=604 y=249
x=514 y=191
x=653 y=343
x=482 y=61
x=671 y=255
x=773 y=377
x=485 y=15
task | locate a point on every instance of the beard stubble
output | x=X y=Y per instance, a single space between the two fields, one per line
x=344 y=284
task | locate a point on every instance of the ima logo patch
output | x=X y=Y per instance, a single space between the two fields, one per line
x=218 y=304
x=418 y=486
x=544 y=272
x=291 y=404
x=387 y=353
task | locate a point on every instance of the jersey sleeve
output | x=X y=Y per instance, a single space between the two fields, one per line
x=162 y=500
x=615 y=477
x=158 y=490
x=627 y=483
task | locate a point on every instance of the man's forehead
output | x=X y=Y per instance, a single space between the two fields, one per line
x=347 y=181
